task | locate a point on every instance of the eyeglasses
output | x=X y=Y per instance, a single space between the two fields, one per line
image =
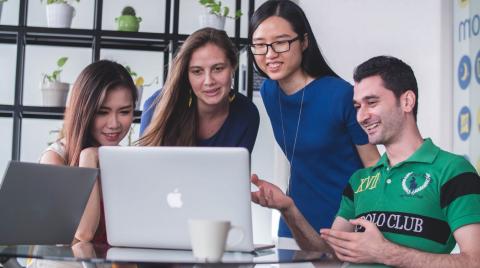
x=278 y=47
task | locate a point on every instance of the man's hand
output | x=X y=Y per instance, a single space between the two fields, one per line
x=269 y=195
x=365 y=247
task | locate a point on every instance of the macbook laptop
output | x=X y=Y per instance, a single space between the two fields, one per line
x=43 y=204
x=149 y=194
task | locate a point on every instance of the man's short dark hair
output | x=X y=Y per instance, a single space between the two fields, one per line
x=397 y=76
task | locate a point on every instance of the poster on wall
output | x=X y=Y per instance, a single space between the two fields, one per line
x=466 y=96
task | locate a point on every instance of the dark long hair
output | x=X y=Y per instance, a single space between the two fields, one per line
x=86 y=97
x=174 y=123
x=313 y=62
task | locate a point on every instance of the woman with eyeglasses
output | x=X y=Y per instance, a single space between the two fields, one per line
x=311 y=112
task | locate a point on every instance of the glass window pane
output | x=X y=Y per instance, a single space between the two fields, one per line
x=82 y=16
x=8 y=62
x=43 y=59
x=37 y=134
x=6 y=125
x=244 y=19
x=148 y=64
x=9 y=12
x=152 y=13
x=242 y=71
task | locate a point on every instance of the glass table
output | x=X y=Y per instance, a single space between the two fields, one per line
x=88 y=253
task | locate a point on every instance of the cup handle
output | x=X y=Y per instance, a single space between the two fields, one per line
x=241 y=237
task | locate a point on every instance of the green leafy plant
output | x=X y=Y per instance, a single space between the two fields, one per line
x=1 y=1
x=217 y=9
x=58 y=1
x=128 y=11
x=55 y=75
x=130 y=71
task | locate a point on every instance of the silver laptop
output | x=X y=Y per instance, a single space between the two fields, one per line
x=149 y=194
x=43 y=204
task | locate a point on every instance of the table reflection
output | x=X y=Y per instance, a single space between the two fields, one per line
x=100 y=253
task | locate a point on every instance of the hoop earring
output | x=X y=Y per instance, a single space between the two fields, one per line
x=231 y=95
x=190 y=99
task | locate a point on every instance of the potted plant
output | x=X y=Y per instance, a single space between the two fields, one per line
x=60 y=13
x=128 y=21
x=216 y=14
x=140 y=83
x=55 y=92
x=1 y=5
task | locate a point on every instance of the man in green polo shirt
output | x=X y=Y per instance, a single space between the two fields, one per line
x=410 y=208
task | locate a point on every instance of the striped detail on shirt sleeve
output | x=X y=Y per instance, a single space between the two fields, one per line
x=348 y=192
x=460 y=185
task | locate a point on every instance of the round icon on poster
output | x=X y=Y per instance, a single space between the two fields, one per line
x=478 y=119
x=464 y=72
x=464 y=123
x=477 y=67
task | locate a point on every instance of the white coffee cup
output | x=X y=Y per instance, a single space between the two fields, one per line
x=209 y=238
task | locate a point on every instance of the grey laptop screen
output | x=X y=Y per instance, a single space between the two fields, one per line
x=43 y=204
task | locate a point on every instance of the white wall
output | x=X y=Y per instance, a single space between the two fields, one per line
x=418 y=32
x=270 y=164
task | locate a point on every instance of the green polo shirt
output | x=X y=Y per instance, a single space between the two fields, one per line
x=419 y=202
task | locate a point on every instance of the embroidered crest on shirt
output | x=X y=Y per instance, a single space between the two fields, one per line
x=413 y=183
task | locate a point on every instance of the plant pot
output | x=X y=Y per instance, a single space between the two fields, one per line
x=139 y=97
x=128 y=23
x=59 y=15
x=212 y=20
x=55 y=93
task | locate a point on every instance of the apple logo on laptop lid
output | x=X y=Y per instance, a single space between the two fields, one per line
x=174 y=199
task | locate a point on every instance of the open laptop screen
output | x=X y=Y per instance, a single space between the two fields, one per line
x=150 y=193
x=43 y=204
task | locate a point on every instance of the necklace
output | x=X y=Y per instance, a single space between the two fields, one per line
x=296 y=133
